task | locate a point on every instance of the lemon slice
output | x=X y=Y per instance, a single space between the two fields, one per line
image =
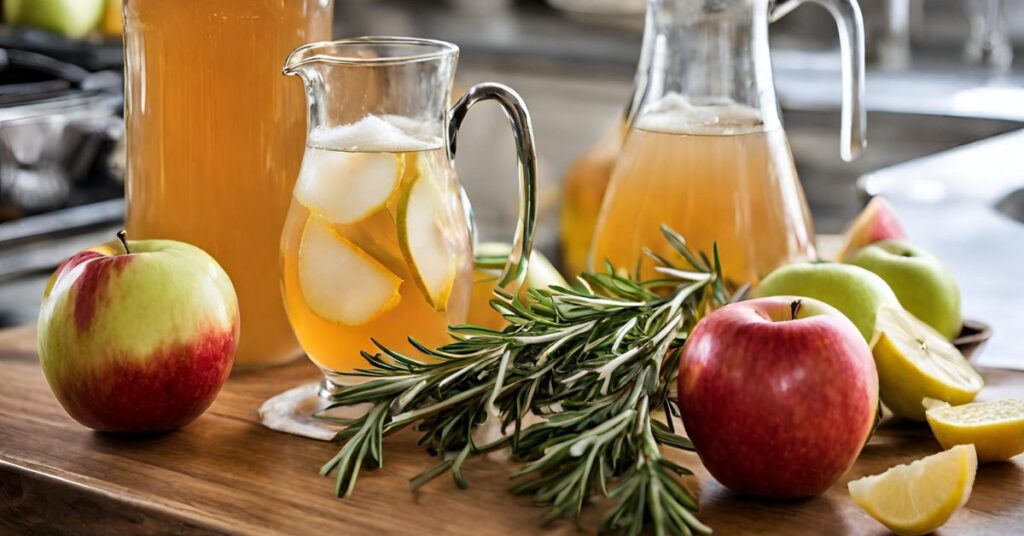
x=916 y=362
x=340 y=282
x=996 y=429
x=921 y=496
x=345 y=187
x=423 y=236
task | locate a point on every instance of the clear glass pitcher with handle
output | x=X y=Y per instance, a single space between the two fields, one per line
x=378 y=240
x=705 y=152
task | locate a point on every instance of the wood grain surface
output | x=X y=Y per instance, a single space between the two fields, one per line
x=225 y=473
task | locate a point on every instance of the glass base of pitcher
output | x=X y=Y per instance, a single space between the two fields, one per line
x=305 y=411
x=333 y=384
x=329 y=387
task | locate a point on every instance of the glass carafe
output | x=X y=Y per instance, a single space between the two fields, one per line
x=378 y=240
x=705 y=152
x=214 y=143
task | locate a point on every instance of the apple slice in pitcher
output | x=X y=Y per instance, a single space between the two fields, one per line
x=346 y=187
x=377 y=237
x=421 y=219
x=340 y=282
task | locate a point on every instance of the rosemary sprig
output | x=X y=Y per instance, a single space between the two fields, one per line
x=586 y=365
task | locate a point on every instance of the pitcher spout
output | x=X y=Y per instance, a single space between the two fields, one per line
x=373 y=78
x=302 y=56
x=370 y=51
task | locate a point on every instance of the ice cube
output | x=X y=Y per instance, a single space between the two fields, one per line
x=678 y=114
x=377 y=134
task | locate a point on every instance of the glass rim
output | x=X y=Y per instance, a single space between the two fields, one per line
x=433 y=49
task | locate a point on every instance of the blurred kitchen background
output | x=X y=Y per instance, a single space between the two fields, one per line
x=942 y=74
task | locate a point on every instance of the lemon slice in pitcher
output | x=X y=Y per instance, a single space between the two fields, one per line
x=346 y=187
x=916 y=362
x=921 y=496
x=996 y=428
x=339 y=281
x=422 y=235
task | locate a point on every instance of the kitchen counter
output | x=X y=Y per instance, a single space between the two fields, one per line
x=225 y=473
x=966 y=206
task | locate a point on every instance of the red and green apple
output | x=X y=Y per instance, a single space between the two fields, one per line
x=138 y=336
x=877 y=222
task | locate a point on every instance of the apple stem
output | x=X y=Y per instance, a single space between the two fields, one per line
x=123 y=237
x=794 y=308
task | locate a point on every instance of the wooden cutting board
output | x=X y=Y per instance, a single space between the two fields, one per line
x=226 y=473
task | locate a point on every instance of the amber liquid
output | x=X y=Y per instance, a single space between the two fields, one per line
x=739 y=189
x=215 y=137
x=335 y=346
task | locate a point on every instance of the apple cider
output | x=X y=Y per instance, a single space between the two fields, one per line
x=376 y=243
x=215 y=143
x=712 y=173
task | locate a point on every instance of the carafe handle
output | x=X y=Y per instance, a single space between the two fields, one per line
x=853 y=137
x=522 y=128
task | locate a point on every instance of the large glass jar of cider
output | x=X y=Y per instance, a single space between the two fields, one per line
x=705 y=153
x=214 y=143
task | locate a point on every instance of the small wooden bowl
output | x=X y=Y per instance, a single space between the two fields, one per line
x=972 y=337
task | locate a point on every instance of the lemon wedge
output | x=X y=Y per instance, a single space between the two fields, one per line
x=916 y=362
x=346 y=187
x=921 y=496
x=423 y=234
x=996 y=428
x=340 y=282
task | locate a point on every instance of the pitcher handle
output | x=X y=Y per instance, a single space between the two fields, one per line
x=522 y=128
x=850 y=22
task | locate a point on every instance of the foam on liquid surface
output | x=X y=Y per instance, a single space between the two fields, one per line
x=373 y=133
x=677 y=114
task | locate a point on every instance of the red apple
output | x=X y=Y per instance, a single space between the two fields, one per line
x=138 y=336
x=877 y=222
x=778 y=395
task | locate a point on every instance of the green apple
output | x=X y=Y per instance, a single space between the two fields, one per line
x=137 y=336
x=490 y=259
x=856 y=292
x=921 y=282
x=72 y=18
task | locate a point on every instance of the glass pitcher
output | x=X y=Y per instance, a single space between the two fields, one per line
x=214 y=143
x=705 y=152
x=378 y=239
